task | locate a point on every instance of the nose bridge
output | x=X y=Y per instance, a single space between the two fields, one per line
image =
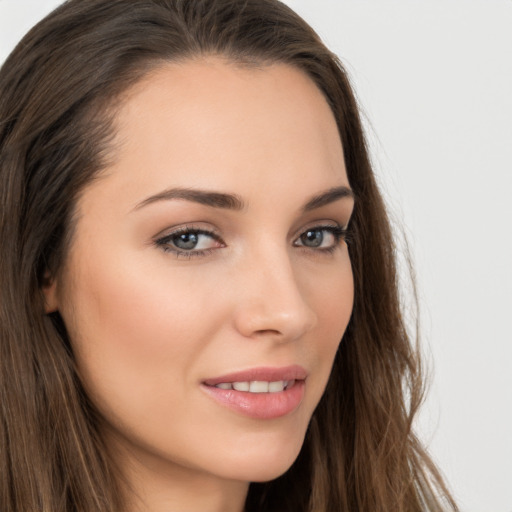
x=272 y=301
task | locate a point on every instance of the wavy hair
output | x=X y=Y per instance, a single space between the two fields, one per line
x=59 y=93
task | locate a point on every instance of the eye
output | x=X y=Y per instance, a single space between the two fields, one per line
x=325 y=238
x=190 y=242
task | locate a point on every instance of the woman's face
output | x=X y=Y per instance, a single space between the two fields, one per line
x=208 y=261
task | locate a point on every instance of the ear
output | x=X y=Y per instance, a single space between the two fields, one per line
x=49 y=289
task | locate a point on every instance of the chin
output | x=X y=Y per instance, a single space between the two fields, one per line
x=264 y=463
x=268 y=474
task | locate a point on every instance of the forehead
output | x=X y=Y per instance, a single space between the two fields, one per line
x=211 y=123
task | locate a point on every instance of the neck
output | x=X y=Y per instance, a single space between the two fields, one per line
x=170 y=493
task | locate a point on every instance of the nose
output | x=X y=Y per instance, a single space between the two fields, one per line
x=271 y=303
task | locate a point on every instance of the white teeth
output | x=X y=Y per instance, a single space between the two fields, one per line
x=257 y=386
x=275 y=387
x=241 y=386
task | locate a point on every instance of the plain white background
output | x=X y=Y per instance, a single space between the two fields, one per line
x=435 y=82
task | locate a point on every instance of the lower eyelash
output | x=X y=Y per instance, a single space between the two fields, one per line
x=186 y=255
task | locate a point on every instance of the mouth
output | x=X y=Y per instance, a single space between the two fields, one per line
x=257 y=386
x=260 y=393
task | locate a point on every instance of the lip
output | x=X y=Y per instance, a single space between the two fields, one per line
x=293 y=372
x=263 y=406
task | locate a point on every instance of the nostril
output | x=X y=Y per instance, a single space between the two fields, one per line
x=264 y=332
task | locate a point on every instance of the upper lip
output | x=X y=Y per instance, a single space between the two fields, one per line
x=268 y=374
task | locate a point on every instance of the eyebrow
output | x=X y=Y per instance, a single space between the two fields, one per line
x=235 y=202
x=328 y=197
x=213 y=199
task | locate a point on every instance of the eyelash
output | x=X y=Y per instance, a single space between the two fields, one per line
x=165 y=242
x=337 y=232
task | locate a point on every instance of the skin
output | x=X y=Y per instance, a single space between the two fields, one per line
x=148 y=326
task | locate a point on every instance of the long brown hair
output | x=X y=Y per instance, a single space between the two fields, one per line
x=59 y=90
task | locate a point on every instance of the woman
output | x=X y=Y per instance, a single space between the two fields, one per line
x=199 y=300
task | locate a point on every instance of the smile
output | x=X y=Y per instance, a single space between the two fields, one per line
x=257 y=386
x=259 y=393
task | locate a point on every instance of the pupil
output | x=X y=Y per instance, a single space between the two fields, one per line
x=313 y=238
x=186 y=240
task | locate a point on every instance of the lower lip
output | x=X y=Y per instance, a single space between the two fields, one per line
x=263 y=406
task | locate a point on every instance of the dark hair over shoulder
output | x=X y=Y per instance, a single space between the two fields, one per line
x=59 y=91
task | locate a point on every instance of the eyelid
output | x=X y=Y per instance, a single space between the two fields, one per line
x=319 y=224
x=189 y=227
x=163 y=240
x=340 y=233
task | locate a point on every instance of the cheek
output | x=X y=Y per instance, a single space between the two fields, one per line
x=134 y=328
x=334 y=299
x=332 y=296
